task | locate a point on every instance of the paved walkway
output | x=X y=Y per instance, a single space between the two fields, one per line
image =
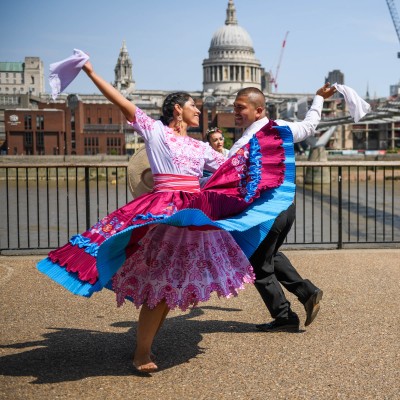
x=54 y=345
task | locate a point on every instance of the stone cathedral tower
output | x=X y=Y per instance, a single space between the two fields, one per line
x=123 y=72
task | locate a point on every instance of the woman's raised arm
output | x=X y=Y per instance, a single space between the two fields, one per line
x=112 y=94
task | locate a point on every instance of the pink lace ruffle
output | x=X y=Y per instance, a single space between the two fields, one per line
x=183 y=267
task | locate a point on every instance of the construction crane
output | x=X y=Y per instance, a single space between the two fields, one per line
x=395 y=18
x=274 y=78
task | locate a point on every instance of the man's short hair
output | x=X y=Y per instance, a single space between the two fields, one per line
x=255 y=96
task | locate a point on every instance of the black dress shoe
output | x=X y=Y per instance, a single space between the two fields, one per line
x=312 y=306
x=291 y=324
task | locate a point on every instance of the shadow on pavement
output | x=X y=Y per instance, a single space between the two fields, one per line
x=68 y=354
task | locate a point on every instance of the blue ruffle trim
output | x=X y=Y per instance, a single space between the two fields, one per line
x=254 y=172
x=150 y=216
x=79 y=240
x=67 y=279
x=84 y=242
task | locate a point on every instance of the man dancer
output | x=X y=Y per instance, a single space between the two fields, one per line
x=272 y=267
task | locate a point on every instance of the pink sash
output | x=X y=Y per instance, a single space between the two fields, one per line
x=172 y=182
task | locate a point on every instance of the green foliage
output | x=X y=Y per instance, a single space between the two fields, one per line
x=228 y=142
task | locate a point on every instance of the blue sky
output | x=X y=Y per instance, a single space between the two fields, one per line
x=169 y=39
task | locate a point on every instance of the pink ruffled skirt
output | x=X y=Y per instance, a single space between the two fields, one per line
x=182 y=266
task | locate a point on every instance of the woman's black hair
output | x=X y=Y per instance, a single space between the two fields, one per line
x=167 y=109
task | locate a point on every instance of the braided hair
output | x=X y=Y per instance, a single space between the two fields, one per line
x=167 y=109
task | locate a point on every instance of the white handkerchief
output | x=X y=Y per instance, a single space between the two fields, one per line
x=357 y=106
x=62 y=73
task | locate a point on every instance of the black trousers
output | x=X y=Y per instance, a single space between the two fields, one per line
x=272 y=268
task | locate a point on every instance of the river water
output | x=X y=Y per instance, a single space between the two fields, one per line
x=45 y=214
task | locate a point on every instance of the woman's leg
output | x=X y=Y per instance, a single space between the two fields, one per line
x=152 y=355
x=150 y=321
x=165 y=313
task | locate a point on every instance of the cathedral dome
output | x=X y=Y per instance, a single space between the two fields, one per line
x=230 y=36
x=231 y=63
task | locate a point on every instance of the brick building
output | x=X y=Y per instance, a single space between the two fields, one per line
x=69 y=128
x=34 y=132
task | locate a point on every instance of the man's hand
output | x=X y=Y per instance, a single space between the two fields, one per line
x=326 y=91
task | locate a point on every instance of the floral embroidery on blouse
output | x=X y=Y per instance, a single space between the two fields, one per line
x=187 y=153
x=143 y=120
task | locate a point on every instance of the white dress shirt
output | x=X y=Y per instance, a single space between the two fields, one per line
x=301 y=130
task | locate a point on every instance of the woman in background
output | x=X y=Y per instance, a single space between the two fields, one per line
x=216 y=140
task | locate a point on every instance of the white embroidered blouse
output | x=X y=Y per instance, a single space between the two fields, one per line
x=169 y=153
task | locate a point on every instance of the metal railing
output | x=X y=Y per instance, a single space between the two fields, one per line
x=348 y=204
x=338 y=204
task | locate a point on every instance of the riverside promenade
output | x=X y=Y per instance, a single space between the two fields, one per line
x=55 y=345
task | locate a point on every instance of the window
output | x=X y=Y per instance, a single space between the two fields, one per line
x=114 y=146
x=91 y=145
x=40 y=122
x=88 y=120
x=32 y=80
x=99 y=120
x=28 y=139
x=73 y=133
x=28 y=122
x=40 y=139
x=40 y=143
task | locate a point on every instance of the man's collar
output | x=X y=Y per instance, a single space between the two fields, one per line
x=247 y=134
x=255 y=126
